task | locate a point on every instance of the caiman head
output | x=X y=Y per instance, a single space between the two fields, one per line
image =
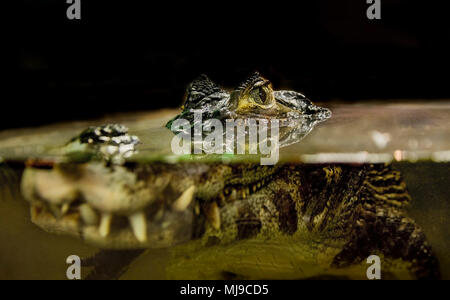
x=254 y=98
x=97 y=196
x=91 y=193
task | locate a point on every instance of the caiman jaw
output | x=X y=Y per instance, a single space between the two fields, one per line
x=100 y=209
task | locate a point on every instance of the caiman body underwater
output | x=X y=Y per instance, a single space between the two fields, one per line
x=230 y=219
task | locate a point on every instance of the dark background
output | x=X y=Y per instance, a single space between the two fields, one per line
x=128 y=56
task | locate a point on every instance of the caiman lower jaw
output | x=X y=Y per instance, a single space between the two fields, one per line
x=175 y=229
x=62 y=210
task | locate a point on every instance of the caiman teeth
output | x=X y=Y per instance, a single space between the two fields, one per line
x=65 y=208
x=185 y=199
x=197 y=209
x=88 y=215
x=139 y=226
x=105 y=225
x=222 y=198
x=213 y=215
x=233 y=194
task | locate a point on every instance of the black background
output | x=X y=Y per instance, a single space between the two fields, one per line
x=128 y=56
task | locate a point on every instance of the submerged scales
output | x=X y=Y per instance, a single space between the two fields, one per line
x=229 y=219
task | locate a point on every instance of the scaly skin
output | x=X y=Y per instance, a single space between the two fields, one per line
x=254 y=98
x=327 y=218
x=338 y=214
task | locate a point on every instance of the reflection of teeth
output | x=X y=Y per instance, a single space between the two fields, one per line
x=65 y=208
x=233 y=194
x=213 y=214
x=105 y=225
x=139 y=226
x=88 y=215
x=185 y=199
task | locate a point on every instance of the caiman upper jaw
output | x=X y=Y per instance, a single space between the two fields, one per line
x=110 y=142
x=90 y=211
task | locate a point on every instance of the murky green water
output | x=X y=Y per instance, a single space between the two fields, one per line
x=27 y=252
x=414 y=137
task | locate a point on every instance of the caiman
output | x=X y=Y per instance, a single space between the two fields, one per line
x=225 y=219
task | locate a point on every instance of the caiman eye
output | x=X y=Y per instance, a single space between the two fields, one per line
x=262 y=95
x=259 y=95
